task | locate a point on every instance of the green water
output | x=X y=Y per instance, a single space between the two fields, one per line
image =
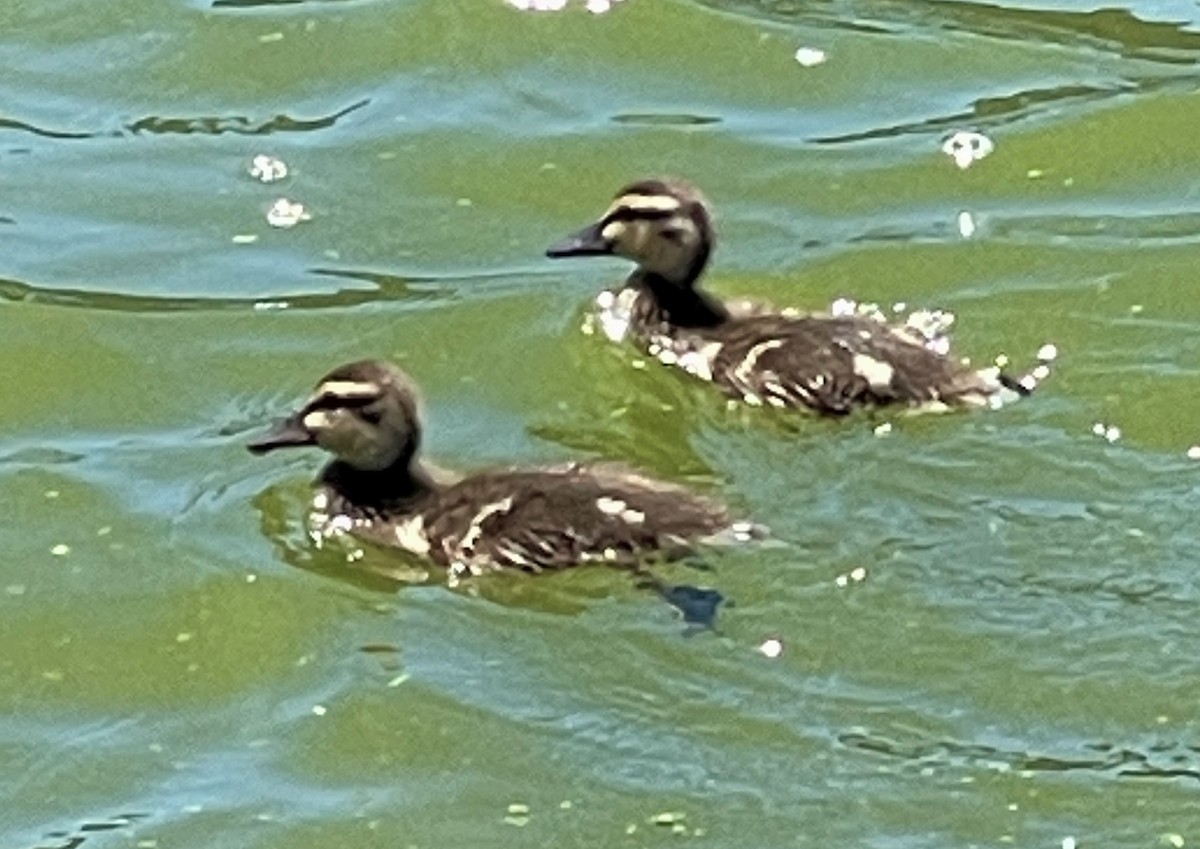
x=180 y=669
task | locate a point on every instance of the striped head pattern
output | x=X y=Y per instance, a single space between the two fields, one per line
x=364 y=413
x=663 y=226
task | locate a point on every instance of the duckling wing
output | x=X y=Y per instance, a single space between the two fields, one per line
x=834 y=364
x=553 y=518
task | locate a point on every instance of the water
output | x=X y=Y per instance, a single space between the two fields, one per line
x=986 y=620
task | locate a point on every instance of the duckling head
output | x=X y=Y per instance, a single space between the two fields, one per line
x=662 y=225
x=364 y=413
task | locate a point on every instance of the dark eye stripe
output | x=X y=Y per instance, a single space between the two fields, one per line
x=629 y=213
x=333 y=401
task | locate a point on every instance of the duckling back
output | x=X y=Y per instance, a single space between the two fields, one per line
x=553 y=518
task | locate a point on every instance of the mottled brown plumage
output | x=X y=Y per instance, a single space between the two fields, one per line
x=831 y=364
x=366 y=414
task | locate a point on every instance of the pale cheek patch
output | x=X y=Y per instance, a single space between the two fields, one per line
x=613 y=231
x=317 y=420
x=686 y=227
x=348 y=443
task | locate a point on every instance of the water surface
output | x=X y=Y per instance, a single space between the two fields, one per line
x=1017 y=664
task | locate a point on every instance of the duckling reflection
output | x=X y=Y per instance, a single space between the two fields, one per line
x=376 y=489
x=828 y=363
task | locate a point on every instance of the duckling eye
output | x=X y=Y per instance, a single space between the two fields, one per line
x=371 y=417
x=672 y=234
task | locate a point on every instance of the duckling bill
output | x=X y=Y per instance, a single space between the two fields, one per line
x=827 y=363
x=366 y=414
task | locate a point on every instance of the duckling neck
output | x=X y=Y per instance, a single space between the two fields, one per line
x=400 y=488
x=678 y=304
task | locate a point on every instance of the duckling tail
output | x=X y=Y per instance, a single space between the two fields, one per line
x=1030 y=380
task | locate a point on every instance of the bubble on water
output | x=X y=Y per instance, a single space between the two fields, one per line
x=267 y=169
x=285 y=213
x=771 y=648
x=967 y=147
x=842 y=307
x=596 y=7
x=1048 y=352
x=810 y=57
x=855 y=576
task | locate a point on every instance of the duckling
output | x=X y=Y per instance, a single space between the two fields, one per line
x=366 y=414
x=828 y=363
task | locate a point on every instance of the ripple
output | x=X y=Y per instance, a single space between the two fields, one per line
x=385 y=288
x=1159 y=760
x=990 y=112
x=1165 y=228
x=670 y=119
x=24 y=127
x=1111 y=30
x=76 y=837
x=256 y=4
x=198 y=125
x=34 y=455
x=1133 y=589
x=240 y=125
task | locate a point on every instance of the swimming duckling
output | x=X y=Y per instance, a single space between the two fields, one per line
x=366 y=414
x=829 y=363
